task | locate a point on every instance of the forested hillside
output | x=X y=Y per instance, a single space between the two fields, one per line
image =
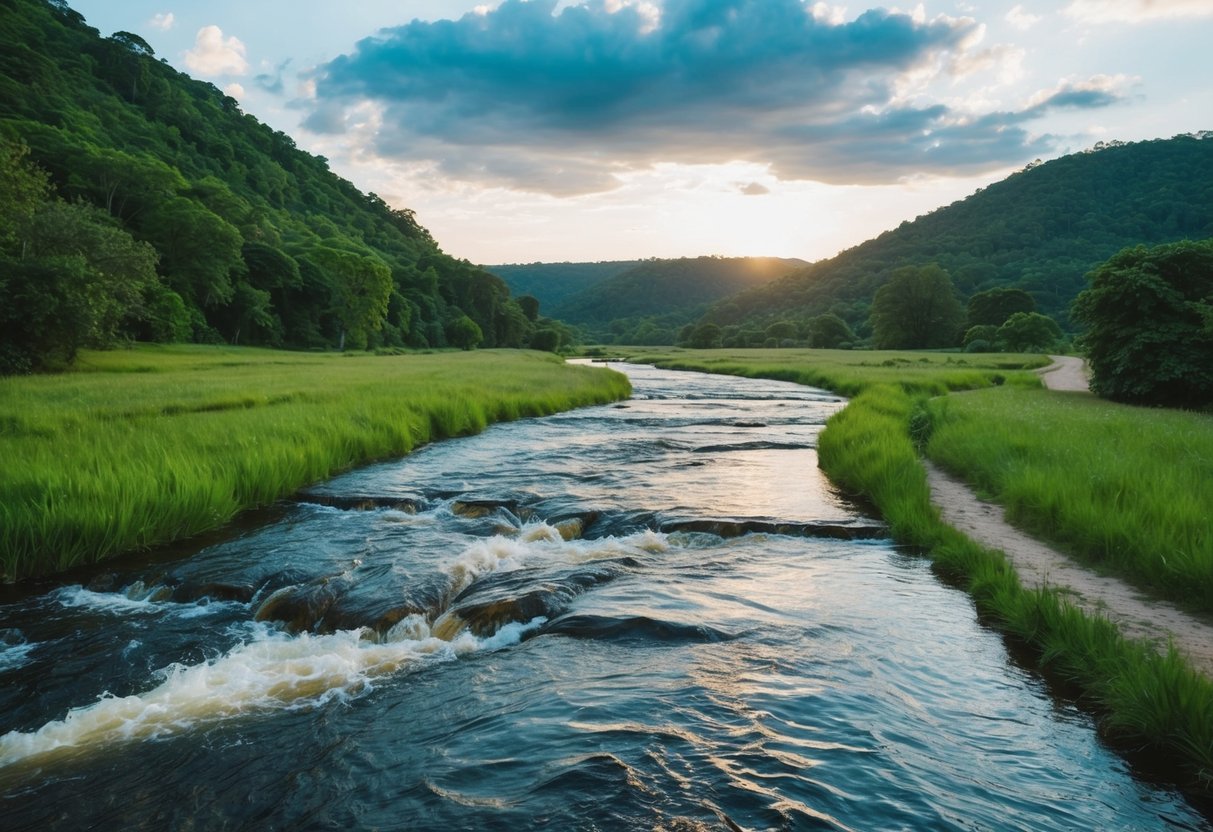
x=552 y=283
x=1040 y=230
x=649 y=302
x=136 y=202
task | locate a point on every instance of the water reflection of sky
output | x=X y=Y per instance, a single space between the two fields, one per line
x=705 y=451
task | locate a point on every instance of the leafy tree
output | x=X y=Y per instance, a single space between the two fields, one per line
x=705 y=336
x=916 y=309
x=198 y=250
x=362 y=286
x=110 y=271
x=1028 y=332
x=994 y=306
x=781 y=330
x=463 y=332
x=829 y=331
x=984 y=335
x=545 y=339
x=529 y=306
x=1146 y=314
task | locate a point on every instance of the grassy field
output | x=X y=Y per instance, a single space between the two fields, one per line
x=851 y=372
x=1146 y=699
x=1127 y=489
x=144 y=446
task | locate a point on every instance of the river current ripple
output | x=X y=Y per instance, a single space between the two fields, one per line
x=650 y=615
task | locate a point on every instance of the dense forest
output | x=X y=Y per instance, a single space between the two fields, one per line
x=645 y=302
x=139 y=203
x=552 y=283
x=1041 y=231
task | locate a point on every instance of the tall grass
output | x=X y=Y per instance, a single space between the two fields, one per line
x=154 y=444
x=1145 y=698
x=851 y=372
x=1127 y=489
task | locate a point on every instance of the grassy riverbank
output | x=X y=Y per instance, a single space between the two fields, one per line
x=144 y=446
x=1126 y=489
x=1145 y=698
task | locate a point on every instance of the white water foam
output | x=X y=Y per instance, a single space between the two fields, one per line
x=137 y=599
x=275 y=671
x=272 y=672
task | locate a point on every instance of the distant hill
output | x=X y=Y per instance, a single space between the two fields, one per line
x=648 y=303
x=1041 y=230
x=552 y=283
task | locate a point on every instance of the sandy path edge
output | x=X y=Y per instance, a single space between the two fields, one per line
x=1037 y=564
x=1066 y=373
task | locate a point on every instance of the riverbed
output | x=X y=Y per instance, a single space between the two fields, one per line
x=650 y=615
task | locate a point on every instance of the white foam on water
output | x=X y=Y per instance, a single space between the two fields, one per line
x=137 y=598
x=272 y=672
x=13 y=656
x=539 y=542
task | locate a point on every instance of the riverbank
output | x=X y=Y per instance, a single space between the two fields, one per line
x=1145 y=698
x=140 y=447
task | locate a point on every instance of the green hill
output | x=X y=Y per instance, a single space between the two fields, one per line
x=650 y=302
x=137 y=202
x=1041 y=230
x=552 y=283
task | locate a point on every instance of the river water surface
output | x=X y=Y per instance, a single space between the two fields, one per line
x=651 y=615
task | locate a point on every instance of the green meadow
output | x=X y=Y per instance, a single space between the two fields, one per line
x=139 y=447
x=1126 y=489
x=1146 y=699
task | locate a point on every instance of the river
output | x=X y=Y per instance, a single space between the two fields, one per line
x=650 y=615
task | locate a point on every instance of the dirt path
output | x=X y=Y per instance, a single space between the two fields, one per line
x=1038 y=564
x=1066 y=373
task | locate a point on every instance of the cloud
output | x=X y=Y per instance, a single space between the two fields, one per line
x=755 y=189
x=234 y=90
x=529 y=97
x=162 y=21
x=213 y=55
x=1137 y=11
x=272 y=82
x=1022 y=19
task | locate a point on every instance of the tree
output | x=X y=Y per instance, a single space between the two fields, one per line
x=916 y=309
x=828 y=332
x=198 y=250
x=1146 y=314
x=362 y=286
x=994 y=306
x=545 y=339
x=463 y=332
x=1027 y=332
x=705 y=336
x=529 y=305
x=781 y=331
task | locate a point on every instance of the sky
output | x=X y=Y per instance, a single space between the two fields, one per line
x=553 y=130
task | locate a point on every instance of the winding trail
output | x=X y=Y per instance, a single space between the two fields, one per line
x=1154 y=621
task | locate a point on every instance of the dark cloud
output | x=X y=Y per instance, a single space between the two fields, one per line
x=559 y=102
x=754 y=189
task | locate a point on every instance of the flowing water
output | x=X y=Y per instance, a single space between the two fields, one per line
x=652 y=615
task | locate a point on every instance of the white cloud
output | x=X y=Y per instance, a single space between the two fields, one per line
x=214 y=55
x=1022 y=19
x=234 y=90
x=162 y=21
x=1137 y=11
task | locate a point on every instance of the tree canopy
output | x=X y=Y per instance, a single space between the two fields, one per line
x=1148 y=314
x=194 y=220
x=916 y=309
